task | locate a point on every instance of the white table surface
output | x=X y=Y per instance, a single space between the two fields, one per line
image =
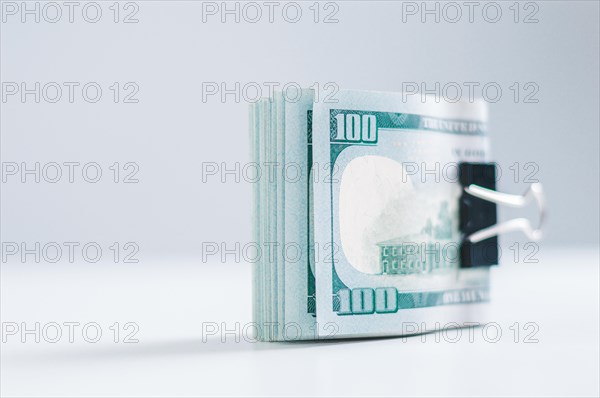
x=170 y=300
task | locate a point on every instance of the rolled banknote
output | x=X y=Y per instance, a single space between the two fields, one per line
x=374 y=209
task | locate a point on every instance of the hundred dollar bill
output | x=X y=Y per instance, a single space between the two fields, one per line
x=366 y=197
x=387 y=214
x=300 y=315
x=282 y=283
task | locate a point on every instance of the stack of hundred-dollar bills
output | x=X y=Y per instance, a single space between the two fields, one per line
x=356 y=212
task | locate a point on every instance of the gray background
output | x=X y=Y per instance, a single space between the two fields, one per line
x=170 y=294
x=170 y=132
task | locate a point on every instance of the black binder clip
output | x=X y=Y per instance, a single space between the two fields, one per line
x=478 y=223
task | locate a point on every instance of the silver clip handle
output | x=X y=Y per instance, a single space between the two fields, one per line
x=534 y=192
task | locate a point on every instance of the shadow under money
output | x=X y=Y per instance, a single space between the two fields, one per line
x=191 y=347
